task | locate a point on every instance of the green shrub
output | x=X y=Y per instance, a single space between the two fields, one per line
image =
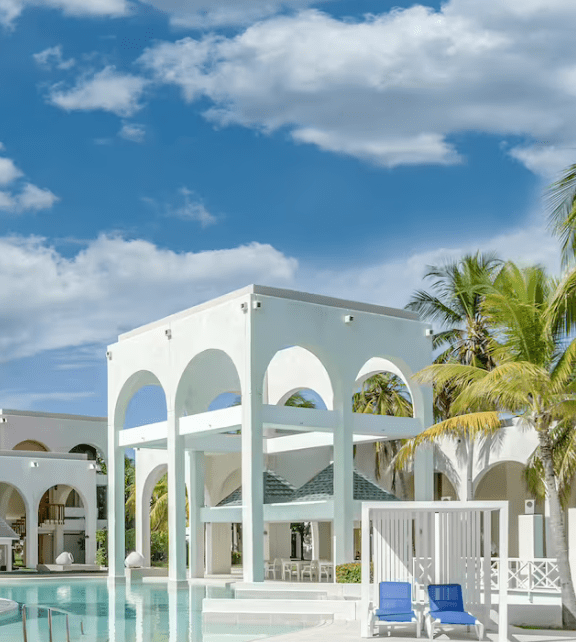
x=102 y=545
x=352 y=573
x=159 y=546
x=236 y=558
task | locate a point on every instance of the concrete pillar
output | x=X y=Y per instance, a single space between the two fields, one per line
x=252 y=461
x=142 y=516
x=424 y=458
x=530 y=536
x=59 y=541
x=90 y=517
x=315 y=541
x=195 y=483
x=32 y=537
x=343 y=482
x=219 y=549
x=177 y=504
x=116 y=508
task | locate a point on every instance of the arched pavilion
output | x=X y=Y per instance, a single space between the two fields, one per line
x=227 y=345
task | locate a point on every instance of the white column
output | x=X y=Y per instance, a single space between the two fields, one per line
x=116 y=509
x=195 y=479
x=177 y=503
x=90 y=517
x=59 y=540
x=315 y=541
x=32 y=537
x=503 y=576
x=424 y=458
x=343 y=485
x=252 y=463
x=365 y=591
x=142 y=515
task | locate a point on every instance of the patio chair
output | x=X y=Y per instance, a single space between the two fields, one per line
x=310 y=569
x=270 y=567
x=325 y=569
x=447 y=607
x=289 y=568
x=395 y=607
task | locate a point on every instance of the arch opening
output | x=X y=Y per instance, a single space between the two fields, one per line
x=14 y=509
x=32 y=445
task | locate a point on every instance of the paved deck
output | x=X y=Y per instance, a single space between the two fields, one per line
x=340 y=631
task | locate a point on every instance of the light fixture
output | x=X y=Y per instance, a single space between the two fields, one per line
x=92 y=466
x=244 y=307
x=429 y=332
x=109 y=355
x=168 y=333
x=3 y=420
x=33 y=464
x=256 y=304
x=348 y=318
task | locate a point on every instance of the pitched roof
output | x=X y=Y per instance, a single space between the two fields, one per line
x=322 y=487
x=6 y=530
x=276 y=489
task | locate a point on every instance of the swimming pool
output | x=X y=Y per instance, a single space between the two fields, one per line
x=143 y=612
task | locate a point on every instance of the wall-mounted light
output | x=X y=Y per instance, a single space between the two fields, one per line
x=109 y=355
x=429 y=332
x=3 y=420
x=244 y=307
x=348 y=318
x=168 y=333
x=33 y=464
x=256 y=304
x=92 y=466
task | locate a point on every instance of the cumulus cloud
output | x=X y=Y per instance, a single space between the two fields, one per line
x=52 y=57
x=19 y=196
x=133 y=132
x=202 y=14
x=108 y=90
x=190 y=208
x=11 y=9
x=396 y=88
x=114 y=285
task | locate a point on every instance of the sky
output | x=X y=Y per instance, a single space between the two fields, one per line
x=155 y=154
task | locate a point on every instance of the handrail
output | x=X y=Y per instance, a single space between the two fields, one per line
x=50 y=610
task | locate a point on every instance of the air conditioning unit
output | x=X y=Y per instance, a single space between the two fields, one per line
x=529 y=506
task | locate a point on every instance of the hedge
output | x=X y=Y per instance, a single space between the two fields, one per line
x=352 y=573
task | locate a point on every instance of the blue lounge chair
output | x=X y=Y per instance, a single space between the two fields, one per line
x=395 y=607
x=447 y=607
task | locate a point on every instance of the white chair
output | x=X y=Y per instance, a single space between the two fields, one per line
x=310 y=569
x=270 y=568
x=325 y=569
x=289 y=568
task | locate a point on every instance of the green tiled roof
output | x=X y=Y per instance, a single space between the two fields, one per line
x=322 y=487
x=276 y=489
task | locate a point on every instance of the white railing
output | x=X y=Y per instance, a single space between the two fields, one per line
x=524 y=576
x=529 y=575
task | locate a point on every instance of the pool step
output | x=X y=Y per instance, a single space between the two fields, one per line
x=338 y=609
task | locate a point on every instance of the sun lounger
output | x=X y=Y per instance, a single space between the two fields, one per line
x=447 y=607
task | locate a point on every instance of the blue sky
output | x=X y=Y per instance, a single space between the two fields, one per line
x=157 y=154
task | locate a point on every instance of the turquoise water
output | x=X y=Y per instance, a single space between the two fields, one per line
x=148 y=612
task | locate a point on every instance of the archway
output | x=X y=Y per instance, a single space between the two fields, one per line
x=58 y=504
x=14 y=509
x=505 y=481
x=31 y=445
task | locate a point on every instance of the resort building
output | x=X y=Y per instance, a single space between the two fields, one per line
x=52 y=486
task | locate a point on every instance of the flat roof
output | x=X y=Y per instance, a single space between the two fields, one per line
x=279 y=293
x=49 y=415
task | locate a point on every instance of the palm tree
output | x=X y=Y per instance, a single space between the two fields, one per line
x=562 y=212
x=458 y=289
x=533 y=378
x=385 y=394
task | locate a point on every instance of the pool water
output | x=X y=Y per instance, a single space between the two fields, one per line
x=144 y=612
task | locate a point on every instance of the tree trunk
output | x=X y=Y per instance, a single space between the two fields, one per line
x=470 y=470
x=558 y=528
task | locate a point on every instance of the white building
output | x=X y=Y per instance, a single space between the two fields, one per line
x=52 y=493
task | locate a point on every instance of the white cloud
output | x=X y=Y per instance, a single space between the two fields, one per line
x=395 y=88
x=108 y=90
x=53 y=57
x=26 y=400
x=113 y=285
x=192 y=210
x=8 y=171
x=207 y=13
x=10 y=10
x=35 y=198
x=133 y=132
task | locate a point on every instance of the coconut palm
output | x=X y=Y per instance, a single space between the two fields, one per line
x=385 y=394
x=455 y=302
x=562 y=212
x=533 y=378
